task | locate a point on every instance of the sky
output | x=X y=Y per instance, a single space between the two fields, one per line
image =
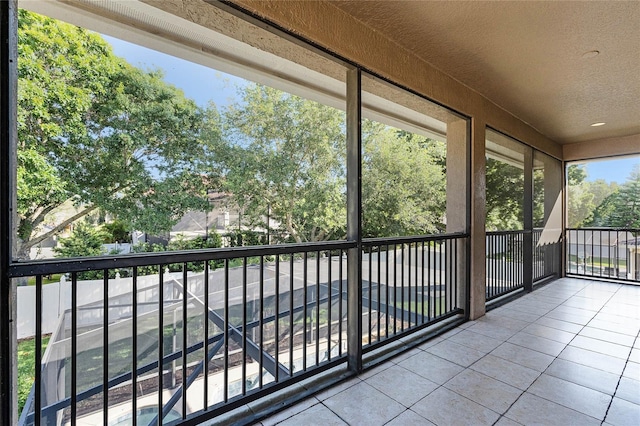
x=200 y=83
x=203 y=84
x=612 y=170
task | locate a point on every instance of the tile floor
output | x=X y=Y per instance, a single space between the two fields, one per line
x=566 y=354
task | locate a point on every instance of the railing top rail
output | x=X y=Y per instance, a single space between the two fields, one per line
x=520 y=231
x=602 y=228
x=412 y=239
x=40 y=267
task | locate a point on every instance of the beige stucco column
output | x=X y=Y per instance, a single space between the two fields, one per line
x=478 y=220
x=457 y=199
x=552 y=214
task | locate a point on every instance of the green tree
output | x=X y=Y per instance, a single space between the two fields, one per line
x=286 y=160
x=403 y=182
x=504 y=196
x=102 y=134
x=621 y=208
x=584 y=198
x=85 y=240
x=116 y=231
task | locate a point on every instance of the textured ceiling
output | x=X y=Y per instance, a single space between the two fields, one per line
x=528 y=57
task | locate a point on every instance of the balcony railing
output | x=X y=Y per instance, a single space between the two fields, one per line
x=187 y=335
x=504 y=263
x=409 y=283
x=610 y=253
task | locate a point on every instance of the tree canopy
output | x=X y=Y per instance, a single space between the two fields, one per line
x=95 y=131
x=403 y=182
x=621 y=207
x=286 y=161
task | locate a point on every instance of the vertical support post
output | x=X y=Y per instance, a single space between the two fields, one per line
x=457 y=206
x=8 y=134
x=354 y=220
x=477 y=249
x=553 y=177
x=527 y=238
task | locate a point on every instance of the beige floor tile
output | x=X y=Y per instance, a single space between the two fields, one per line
x=508 y=372
x=602 y=347
x=593 y=359
x=327 y=393
x=632 y=370
x=580 y=374
x=476 y=341
x=363 y=404
x=523 y=356
x=537 y=343
x=290 y=412
x=549 y=333
x=629 y=390
x=456 y=353
x=409 y=418
x=571 y=395
x=487 y=391
x=317 y=415
x=402 y=385
x=607 y=336
x=560 y=325
x=623 y=413
x=431 y=367
x=444 y=407
x=531 y=410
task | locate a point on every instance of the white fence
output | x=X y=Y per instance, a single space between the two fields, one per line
x=56 y=298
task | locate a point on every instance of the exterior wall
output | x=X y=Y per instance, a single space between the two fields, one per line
x=602 y=148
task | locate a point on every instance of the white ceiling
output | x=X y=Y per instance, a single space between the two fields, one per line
x=528 y=56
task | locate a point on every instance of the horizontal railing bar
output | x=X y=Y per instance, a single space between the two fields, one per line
x=412 y=239
x=604 y=229
x=49 y=266
x=520 y=231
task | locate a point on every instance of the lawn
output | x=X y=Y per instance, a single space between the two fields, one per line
x=47 y=279
x=26 y=367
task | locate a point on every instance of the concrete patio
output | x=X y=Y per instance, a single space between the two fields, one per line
x=566 y=354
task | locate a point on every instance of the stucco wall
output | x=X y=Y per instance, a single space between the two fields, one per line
x=602 y=148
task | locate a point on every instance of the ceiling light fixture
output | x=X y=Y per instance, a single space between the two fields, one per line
x=598 y=124
x=590 y=54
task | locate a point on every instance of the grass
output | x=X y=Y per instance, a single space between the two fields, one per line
x=47 y=279
x=26 y=367
x=600 y=261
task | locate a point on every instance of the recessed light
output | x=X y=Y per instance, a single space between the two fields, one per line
x=590 y=54
x=598 y=124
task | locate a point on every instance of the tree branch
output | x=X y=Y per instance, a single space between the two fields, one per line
x=33 y=241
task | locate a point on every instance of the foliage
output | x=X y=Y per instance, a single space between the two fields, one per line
x=85 y=240
x=286 y=160
x=180 y=242
x=116 y=232
x=95 y=130
x=403 y=182
x=621 y=208
x=246 y=238
x=504 y=196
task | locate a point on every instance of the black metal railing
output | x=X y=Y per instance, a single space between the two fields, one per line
x=539 y=268
x=180 y=336
x=409 y=283
x=610 y=253
x=503 y=263
x=230 y=324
